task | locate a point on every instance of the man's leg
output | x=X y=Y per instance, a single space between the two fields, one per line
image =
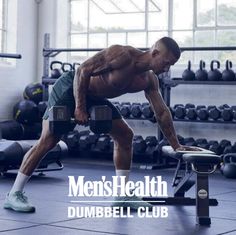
x=15 y=200
x=122 y=135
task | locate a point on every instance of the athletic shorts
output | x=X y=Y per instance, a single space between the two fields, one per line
x=62 y=94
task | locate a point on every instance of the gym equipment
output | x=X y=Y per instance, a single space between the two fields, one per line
x=103 y=143
x=216 y=148
x=56 y=69
x=125 y=109
x=147 y=110
x=26 y=112
x=10 y=55
x=201 y=73
x=188 y=74
x=189 y=141
x=228 y=168
x=203 y=114
x=60 y=121
x=75 y=65
x=227 y=114
x=136 y=110
x=13 y=130
x=202 y=163
x=191 y=114
x=224 y=143
x=179 y=111
x=86 y=141
x=12 y=153
x=34 y=92
x=66 y=67
x=139 y=144
x=214 y=74
x=72 y=139
x=202 y=143
x=214 y=113
x=189 y=105
x=228 y=74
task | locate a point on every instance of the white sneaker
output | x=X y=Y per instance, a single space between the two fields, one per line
x=18 y=202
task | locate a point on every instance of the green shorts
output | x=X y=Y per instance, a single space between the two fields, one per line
x=62 y=94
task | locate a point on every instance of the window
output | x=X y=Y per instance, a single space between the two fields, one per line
x=8 y=30
x=2 y=24
x=139 y=23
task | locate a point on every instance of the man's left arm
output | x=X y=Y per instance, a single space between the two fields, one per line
x=161 y=111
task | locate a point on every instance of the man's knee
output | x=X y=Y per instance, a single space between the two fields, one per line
x=124 y=138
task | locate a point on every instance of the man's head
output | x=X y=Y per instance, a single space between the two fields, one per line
x=165 y=52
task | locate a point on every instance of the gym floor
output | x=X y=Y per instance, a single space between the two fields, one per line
x=49 y=194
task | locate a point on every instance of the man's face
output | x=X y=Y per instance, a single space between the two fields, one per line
x=162 y=60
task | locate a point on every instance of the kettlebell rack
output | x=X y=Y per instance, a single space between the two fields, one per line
x=168 y=82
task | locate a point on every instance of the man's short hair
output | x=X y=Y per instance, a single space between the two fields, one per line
x=171 y=45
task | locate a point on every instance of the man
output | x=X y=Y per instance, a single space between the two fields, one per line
x=110 y=73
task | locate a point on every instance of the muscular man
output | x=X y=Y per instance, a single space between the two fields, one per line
x=112 y=72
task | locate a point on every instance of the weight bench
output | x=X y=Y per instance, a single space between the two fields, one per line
x=202 y=163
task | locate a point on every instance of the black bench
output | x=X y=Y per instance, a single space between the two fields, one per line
x=201 y=163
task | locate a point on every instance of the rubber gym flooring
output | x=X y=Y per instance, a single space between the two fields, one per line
x=49 y=193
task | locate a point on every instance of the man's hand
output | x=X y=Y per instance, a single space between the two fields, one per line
x=81 y=117
x=187 y=148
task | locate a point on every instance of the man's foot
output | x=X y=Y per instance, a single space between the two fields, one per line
x=133 y=202
x=18 y=202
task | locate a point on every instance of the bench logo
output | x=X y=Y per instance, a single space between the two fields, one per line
x=202 y=193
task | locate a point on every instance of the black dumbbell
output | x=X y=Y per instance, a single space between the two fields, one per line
x=203 y=114
x=125 y=109
x=139 y=144
x=72 y=139
x=188 y=74
x=151 y=143
x=201 y=73
x=136 y=110
x=189 y=141
x=224 y=143
x=191 y=113
x=180 y=111
x=147 y=110
x=214 y=113
x=214 y=74
x=181 y=139
x=216 y=148
x=227 y=114
x=202 y=143
x=87 y=140
x=60 y=121
x=103 y=143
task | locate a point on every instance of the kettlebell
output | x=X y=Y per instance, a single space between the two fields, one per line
x=188 y=74
x=56 y=72
x=66 y=67
x=228 y=74
x=201 y=73
x=214 y=74
x=228 y=168
x=75 y=66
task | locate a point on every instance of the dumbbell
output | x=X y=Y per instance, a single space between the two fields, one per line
x=87 y=140
x=72 y=139
x=202 y=143
x=179 y=111
x=103 y=143
x=202 y=113
x=227 y=114
x=60 y=121
x=139 y=144
x=215 y=147
x=191 y=112
x=147 y=110
x=125 y=109
x=136 y=110
x=214 y=113
x=151 y=143
x=189 y=141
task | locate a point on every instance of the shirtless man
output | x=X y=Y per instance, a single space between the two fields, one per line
x=112 y=72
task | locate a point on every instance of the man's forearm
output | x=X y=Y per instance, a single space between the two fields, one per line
x=166 y=124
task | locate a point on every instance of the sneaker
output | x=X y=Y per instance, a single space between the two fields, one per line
x=18 y=202
x=133 y=202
